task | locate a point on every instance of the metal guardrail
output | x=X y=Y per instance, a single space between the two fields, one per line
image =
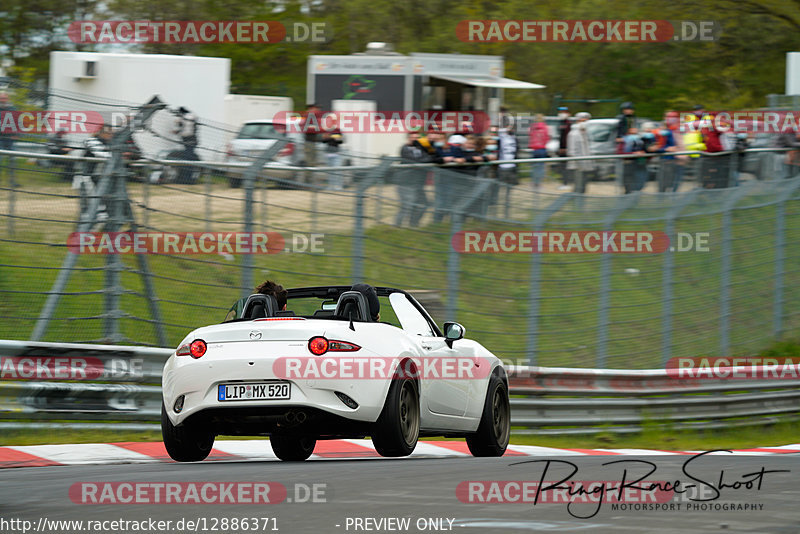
x=544 y=400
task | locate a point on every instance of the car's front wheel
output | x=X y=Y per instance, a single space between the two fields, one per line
x=396 y=431
x=494 y=430
x=292 y=448
x=185 y=443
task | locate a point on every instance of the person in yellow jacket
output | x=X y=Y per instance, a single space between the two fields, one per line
x=692 y=138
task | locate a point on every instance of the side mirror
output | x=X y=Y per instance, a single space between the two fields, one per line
x=453 y=332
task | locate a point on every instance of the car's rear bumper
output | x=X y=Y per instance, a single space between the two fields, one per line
x=198 y=382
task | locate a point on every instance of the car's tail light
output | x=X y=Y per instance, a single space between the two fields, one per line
x=288 y=150
x=229 y=150
x=319 y=345
x=342 y=346
x=197 y=348
x=280 y=319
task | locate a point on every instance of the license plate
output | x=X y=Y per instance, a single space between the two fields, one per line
x=244 y=392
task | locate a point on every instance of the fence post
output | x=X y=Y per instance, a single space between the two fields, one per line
x=12 y=187
x=208 y=175
x=453 y=267
x=733 y=169
x=146 y=202
x=623 y=203
x=249 y=185
x=113 y=288
x=358 y=234
x=667 y=277
x=361 y=186
x=780 y=258
x=536 y=269
x=725 y=267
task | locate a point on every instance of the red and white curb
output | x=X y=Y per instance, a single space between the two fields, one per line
x=348 y=449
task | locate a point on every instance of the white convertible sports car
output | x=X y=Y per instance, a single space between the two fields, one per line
x=325 y=370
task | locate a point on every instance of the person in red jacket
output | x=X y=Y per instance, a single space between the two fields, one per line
x=715 y=168
x=538 y=136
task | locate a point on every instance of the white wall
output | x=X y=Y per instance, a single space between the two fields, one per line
x=368 y=144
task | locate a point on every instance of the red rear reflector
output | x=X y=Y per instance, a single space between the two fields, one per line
x=183 y=350
x=197 y=348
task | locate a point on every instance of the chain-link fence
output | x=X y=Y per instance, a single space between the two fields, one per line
x=729 y=286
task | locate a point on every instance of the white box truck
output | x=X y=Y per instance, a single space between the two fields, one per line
x=111 y=82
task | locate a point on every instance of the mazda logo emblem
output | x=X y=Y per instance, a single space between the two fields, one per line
x=255 y=335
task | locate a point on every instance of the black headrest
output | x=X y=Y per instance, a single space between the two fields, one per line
x=355 y=303
x=258 y=306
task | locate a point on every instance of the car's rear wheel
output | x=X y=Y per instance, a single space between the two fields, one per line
x=292 y=448
x=494 y=430
x=396 y=431
x=185 y=443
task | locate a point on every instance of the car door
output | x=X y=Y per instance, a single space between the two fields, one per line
x=446 y=395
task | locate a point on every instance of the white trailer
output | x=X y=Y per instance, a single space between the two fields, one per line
x=242 y=108
x=110 y=83
x=793 y=73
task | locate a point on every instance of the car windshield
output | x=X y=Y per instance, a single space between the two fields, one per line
x=260 y=130
x=599 y=132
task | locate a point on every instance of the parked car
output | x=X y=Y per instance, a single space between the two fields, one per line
x=253 y=138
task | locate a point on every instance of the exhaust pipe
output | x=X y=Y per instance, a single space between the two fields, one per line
x=295 y=418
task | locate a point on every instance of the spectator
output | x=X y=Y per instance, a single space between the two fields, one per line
x=57 y=145
x=186 y=130
x=508 y=150
x=311 y=130
x=625 y=121
x=673 y=166
x=445 y=182
x=471 y=151
x=716 y=169
x=538 y=136
x=490 y=153
x=411 y=186
x=333 y=139
x=791 y=161
x=699 y=111
x=97 y=146
x=577 y=146
x=634 y=174
x=563 y=131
